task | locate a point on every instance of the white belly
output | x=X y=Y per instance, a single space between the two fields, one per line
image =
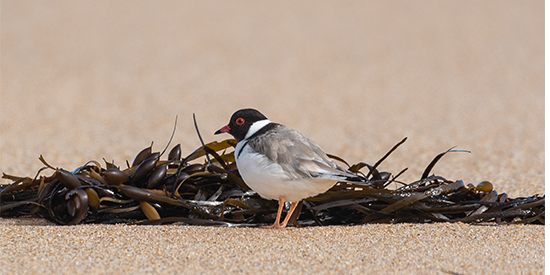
x=270 y=181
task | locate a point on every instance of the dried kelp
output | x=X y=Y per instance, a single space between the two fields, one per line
x=194 y=191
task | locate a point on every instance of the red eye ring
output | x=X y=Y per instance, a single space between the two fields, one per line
x=239 y=121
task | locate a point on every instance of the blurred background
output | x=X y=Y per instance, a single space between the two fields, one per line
x=83 y=80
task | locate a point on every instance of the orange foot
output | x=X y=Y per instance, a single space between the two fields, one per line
x=273 y=226
x=276 y=224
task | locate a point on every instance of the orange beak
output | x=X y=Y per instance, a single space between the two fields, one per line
x=224 y=129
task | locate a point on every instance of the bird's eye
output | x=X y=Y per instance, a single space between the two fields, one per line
x=239 y=121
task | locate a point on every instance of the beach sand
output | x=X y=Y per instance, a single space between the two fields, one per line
x=102 y=79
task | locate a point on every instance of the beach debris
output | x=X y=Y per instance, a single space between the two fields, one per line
x=205 y=188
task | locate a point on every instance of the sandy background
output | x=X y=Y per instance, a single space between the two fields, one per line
x=85 y=80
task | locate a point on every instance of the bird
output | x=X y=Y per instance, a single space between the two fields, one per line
x=279 y=163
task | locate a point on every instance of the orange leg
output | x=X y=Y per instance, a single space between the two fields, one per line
x=280 y=211
x=289 y=214
x=276 y=223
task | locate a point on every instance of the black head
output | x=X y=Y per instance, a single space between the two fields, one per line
x=240 y=123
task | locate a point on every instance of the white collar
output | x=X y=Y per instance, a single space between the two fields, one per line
x=256 y=126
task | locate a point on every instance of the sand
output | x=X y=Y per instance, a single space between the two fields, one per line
x=102 y=79
x=373 y=249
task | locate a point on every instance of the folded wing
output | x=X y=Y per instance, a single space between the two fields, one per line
x=298 y=155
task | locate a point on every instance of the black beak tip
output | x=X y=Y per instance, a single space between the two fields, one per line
x=224 y=129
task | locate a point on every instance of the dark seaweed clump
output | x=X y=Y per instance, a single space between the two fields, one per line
x=197 y=192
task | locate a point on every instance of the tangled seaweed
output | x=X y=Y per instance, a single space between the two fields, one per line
x=211 y=192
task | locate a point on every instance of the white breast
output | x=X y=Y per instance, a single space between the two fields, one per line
x=270 y=181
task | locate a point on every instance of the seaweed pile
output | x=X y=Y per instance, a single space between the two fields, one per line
x=199 y=191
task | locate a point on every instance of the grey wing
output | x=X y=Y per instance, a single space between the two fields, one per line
x=298 y=155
